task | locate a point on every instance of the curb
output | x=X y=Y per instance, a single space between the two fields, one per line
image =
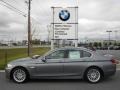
x=2 y=70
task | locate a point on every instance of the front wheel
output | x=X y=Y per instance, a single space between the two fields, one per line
x=93 y=75
x=19 y=75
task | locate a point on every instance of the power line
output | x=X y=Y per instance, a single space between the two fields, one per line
x=12 y=8
x=18 y=11
x=9 y=6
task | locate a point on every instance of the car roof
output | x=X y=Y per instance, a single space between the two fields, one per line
x=74 y=48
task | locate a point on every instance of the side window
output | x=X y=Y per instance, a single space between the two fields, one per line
x=56 y=55
x=86 y=54
x=74 y=54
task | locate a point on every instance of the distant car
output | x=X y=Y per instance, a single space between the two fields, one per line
x=63 y=63
x=116 y=47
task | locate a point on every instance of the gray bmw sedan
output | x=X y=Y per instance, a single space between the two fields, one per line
x=63 y=63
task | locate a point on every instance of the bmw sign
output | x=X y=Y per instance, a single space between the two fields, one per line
x=65 y=23
x=64 y=15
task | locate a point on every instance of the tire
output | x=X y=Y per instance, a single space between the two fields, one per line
x=93 y=75
x=19 y=75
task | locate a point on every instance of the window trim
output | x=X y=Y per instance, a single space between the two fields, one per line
x=67 y=51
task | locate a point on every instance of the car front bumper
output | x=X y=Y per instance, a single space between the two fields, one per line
x=7 y=73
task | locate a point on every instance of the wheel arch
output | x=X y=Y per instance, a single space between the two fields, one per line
x=28 y=74
x=100 y=69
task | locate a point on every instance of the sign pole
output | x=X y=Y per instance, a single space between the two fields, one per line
x=52 y=44
x=76 y=26
x=52 y=30
x=76 y=43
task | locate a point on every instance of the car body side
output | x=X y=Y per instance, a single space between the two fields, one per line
x=36 y=68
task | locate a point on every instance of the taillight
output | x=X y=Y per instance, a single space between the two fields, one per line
x=115 y=61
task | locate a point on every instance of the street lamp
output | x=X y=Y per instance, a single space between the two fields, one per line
x=109 y=31
x=116 y=36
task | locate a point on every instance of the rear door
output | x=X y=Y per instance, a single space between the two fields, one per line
x=75 y=63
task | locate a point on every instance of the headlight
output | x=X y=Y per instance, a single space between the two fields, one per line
x=9 y=66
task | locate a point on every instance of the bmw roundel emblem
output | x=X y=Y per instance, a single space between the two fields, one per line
x=64 y=15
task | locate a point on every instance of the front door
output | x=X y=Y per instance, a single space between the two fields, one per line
x=53 y=66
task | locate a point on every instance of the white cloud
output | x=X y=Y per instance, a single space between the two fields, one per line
x=95 y=17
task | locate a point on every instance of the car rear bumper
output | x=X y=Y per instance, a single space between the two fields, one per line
x=110 y=71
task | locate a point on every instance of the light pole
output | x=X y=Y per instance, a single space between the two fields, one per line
x=116 y=36
x=109 y=31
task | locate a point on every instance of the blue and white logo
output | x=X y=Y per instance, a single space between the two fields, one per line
x=64 y=15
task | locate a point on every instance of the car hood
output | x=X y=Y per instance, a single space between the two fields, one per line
x=26 y=60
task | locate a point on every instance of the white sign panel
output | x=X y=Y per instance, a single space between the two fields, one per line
x=65 y=23
x=64 y=31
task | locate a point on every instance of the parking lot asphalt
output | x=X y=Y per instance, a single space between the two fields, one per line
x=115 y=53
x=111 y=83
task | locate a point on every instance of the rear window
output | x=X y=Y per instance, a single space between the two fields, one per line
x=86 y=54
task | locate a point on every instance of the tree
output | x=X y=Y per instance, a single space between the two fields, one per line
x=90 y=44
x=110 y=43
x=99 y=44
x=14 y=44
x=36 y=41
x=95 y=44
x=115 y=44
x=105 y=44
x=118 y=44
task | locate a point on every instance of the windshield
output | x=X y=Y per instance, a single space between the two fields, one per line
x=47 y=53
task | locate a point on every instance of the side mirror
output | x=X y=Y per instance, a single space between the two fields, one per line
x=43 y=59
x=35 y=56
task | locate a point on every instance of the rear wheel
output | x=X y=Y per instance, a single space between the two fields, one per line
x=93 y=75
x=19 y=75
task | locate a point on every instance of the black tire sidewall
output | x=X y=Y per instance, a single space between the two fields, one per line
x=86 y=78
x=13 y=76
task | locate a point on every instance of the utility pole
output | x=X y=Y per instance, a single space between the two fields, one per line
x=29 y=28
